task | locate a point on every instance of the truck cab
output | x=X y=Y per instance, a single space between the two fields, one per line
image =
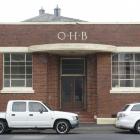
x=35 y=115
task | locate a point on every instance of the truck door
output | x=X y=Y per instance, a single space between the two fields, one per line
x=38 y=115
x=17 y=115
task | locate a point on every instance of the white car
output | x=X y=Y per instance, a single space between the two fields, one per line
x=129 y=118
x=32 y=114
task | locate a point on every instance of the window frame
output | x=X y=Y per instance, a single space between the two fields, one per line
x=25 y=74
x=19 y=102
x=134 y=79
x=134 y=107
x=46 y=109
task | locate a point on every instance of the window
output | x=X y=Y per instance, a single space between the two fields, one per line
x=17 y=70
x=136 y=108
x=126 y=70
x=36 y=107
x=19 y=107
x=73 y=66
x=125 y=107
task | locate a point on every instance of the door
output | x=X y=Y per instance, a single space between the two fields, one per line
x=72 y=89
x=39 y=115
x=17 y=115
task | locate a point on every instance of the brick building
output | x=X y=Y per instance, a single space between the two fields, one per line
x=80 y=67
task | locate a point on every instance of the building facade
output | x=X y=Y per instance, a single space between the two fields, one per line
x=78 y=67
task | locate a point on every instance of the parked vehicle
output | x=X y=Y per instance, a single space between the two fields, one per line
x=129 y=118
x=34 y=114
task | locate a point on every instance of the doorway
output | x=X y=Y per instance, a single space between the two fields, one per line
x=72 y=83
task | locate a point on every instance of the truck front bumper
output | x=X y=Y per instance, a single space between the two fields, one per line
x=74 y=124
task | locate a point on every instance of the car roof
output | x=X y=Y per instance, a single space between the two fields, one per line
x=24 y=101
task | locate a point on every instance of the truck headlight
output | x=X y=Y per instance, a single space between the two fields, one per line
x=75 y=117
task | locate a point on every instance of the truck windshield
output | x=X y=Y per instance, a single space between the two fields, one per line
x=125 y=107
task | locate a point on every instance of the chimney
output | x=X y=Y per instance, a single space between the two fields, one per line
x=41 y=11
x=57 y=11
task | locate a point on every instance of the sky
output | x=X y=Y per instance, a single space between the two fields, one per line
x=88 y=10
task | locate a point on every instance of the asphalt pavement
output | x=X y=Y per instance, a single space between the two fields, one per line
x=82 y=129
x=83 y=132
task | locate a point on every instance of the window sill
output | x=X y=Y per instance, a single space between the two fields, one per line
x=17 y=90
x=125 y=90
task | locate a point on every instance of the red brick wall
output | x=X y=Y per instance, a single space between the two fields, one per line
x=112 y=34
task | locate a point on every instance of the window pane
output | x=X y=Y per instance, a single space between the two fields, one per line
x=18 y=63
x=137 y=69
x=126 y=69
x=18 y=83
x=136 y=108
x=28 y=57
x=29 y=63
x=137 y=57
x=28 y=70
x=137 y=83
x=6 y=70
x=28 y=82
x=29 y=76
x=35 y=107
x=137 y=76
x=17 y=57
x=126 y=57
x=6 y=57
x=137 y=63
x=6 y=63
x=126 y=83
x=126 y=76
x=115 y=70
x=6 y=82
x=7 y=76
x=17 y=76
x=114 y=76
x=19 y=107
x=114 y=57
x=126 y=63
x=17 y=70
x=72 y=66
x=115 y=83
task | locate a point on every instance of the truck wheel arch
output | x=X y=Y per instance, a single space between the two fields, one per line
x=61 y=120
x=4 y=126
x=4 y=120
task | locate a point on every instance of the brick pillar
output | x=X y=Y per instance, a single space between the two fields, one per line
x=91 y=83
x=40 y=63
x=103 y=84
x=53 y=80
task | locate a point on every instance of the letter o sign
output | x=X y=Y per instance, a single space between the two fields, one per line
x=61 y=35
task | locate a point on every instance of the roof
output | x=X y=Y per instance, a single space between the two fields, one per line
x=52 y=18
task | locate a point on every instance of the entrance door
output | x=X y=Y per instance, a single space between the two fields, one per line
x=72 y=83
x=72 y=89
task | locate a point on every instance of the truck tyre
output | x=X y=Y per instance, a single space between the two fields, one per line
x=2 y=127
x=62 y=127
x=137 y=127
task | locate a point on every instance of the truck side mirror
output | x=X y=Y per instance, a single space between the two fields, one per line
x=41 y=110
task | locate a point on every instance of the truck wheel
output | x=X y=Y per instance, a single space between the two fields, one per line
x=62 y=127
x=137 y=127
x=2 y=127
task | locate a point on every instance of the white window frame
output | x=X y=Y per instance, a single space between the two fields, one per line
x=22 y=89
x=124 y=89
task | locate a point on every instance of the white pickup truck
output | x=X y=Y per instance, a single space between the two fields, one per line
x=32 y=114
